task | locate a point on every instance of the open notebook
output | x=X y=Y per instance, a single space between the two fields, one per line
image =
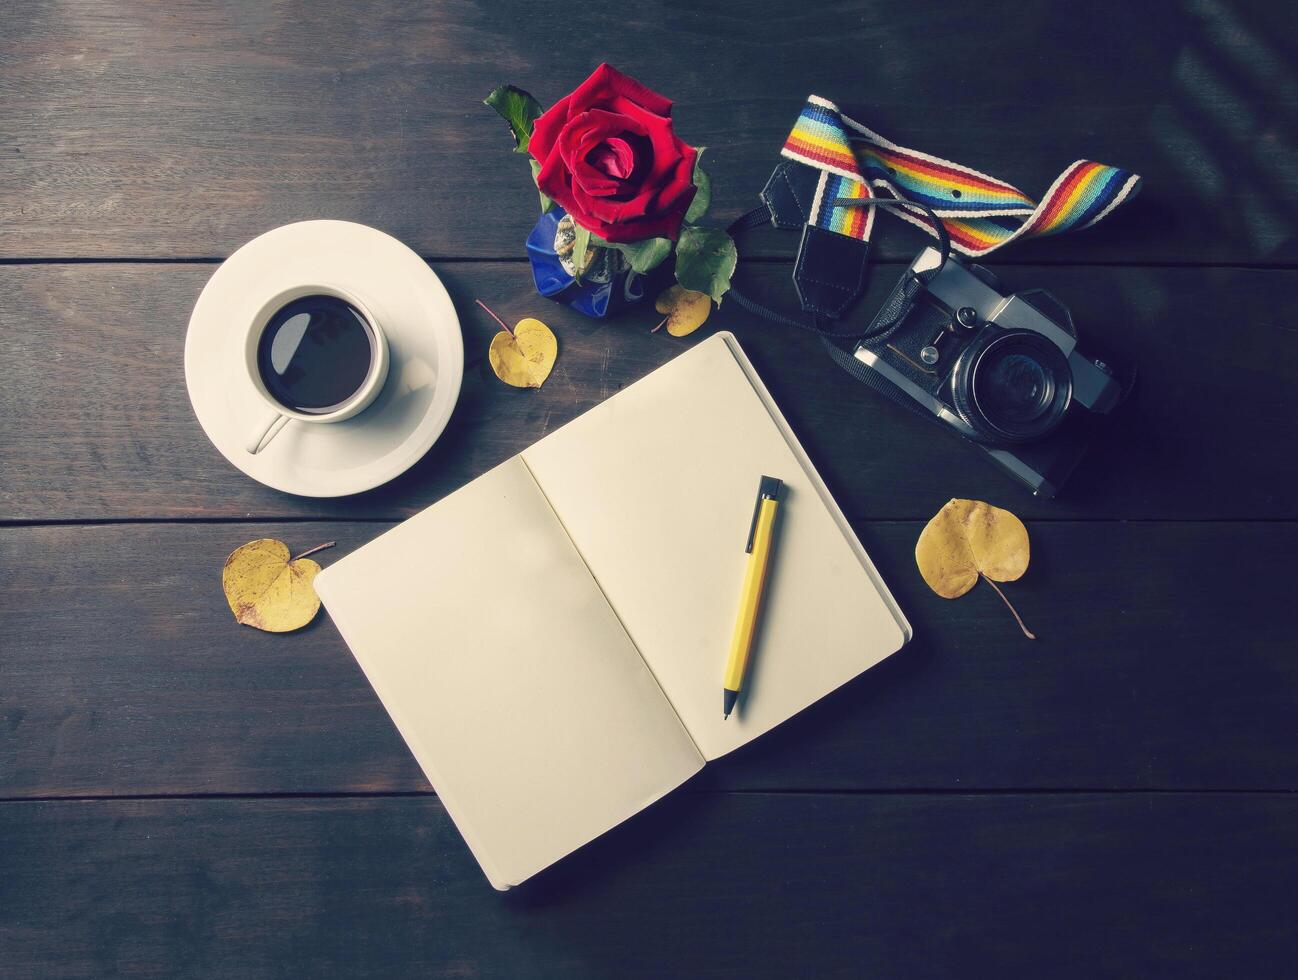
x=550 y=639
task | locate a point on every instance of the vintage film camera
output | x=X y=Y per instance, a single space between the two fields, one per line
x=1002 y=369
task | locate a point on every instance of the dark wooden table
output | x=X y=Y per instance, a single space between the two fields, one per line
x=181 y=796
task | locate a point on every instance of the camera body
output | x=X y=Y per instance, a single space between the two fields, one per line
x=1002 y=371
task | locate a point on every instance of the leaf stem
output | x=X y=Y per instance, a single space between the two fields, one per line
x=1026 y=632
x=662 y=324
x=312 y=551
x=492 y=314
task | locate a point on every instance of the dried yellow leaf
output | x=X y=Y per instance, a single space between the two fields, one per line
x=525 y=357
x=686 y=309
x=268 y=590
x=967 y=539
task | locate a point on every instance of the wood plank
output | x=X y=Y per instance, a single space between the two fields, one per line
x=143 y=129
x=1076 y=885
x=95 y=422
x=1165 y=662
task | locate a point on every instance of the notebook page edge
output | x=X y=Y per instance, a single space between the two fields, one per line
x=840 y=519
x=522 y=456
x=340 y=612
x=406 y=731
x=795 y=446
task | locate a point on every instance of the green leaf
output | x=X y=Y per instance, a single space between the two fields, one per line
x=579 y=248
x=519 y=109
x=647 y=254
x=643 y=256
x=702 y=196
x=546 y=202
x=705 y=261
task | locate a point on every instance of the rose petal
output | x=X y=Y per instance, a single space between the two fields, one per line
x=606 y=82
x=655 y=226
x=613 y=158
x=665 y=205
x=594 y=165
x=668 y=147
x=597 y=183
x=678 y=189
x=596 y=128
x=554 y=178
x=601 y=207
x=546 y=129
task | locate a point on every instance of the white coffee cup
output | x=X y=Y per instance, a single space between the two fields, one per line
x=278 y=414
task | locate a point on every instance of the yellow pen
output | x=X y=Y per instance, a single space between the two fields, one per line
x=760 y=536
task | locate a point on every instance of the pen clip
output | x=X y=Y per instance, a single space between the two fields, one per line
x=768 y=489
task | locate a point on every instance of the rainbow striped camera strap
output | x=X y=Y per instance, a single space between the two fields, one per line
x=980 y=212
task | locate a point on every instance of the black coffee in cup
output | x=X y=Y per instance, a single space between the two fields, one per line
x=315 y=354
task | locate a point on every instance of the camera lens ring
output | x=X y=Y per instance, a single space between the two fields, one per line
x=1011 y=385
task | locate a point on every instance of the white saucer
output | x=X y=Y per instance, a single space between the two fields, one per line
x=423 y=333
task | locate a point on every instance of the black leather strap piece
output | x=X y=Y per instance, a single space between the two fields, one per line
x=829 y=273
x=789 y=194
x=812 y=324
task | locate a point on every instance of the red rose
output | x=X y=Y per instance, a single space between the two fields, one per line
x=610 y=158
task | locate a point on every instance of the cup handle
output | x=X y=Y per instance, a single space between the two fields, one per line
x=266 y=430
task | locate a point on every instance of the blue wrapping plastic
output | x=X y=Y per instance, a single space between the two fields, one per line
x=597 y=295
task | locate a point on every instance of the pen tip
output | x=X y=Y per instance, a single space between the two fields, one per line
x=725 y=716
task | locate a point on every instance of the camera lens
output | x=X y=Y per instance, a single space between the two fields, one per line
x=1012 y=385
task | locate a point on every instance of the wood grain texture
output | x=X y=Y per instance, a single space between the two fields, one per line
x=1135 y=810
x=1163 y=663
x=95 y=422
x=702 y=885
x=184 y=129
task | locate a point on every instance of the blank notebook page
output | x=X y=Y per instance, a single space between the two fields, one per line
x=508 y=674
x=656 y=488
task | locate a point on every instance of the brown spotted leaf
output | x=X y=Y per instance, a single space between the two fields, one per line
x=269 y=591
x=686 y=310
x=524 y=356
